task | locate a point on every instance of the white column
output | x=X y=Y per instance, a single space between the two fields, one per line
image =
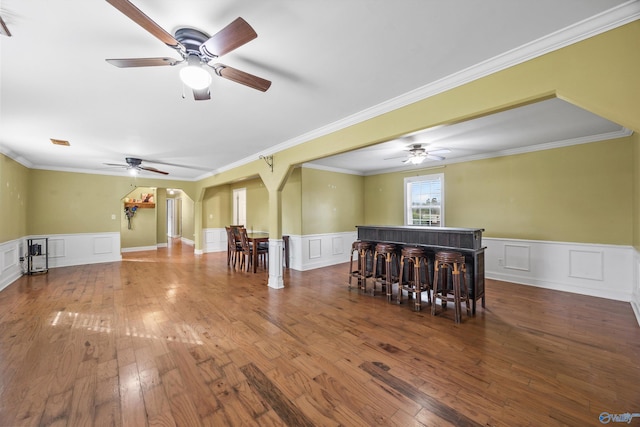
x=276 y=260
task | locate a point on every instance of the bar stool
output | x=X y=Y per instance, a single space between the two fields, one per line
x=452 y=262
x=364 y=254
x=385 y=256
x=411 y=281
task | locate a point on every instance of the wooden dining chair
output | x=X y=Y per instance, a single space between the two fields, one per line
x=247 y=250
x=233 y=247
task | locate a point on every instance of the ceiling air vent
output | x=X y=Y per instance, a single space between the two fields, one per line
x=60 y=142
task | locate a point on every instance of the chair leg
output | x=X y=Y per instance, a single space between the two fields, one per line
x=416 y=286
x=389 y=276
x=363 y=269
x=436 y=274
x=456 y=296
x=350 y=269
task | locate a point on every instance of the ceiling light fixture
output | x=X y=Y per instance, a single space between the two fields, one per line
x=416 y=160
x=193 y=75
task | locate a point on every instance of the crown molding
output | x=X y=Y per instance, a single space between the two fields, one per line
x=15 y=157
x=331 y=169
x=624 y=132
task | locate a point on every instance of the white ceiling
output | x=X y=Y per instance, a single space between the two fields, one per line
x=332 y=62
x=543 y=125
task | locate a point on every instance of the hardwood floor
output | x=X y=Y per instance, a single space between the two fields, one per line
x=167 y=338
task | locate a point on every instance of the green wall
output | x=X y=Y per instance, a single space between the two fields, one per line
x=583 y=193
x=327 y=201
x=292 y=204
x=14 y=199
x=257 y=204
x=188 y=225
x=144 y=228
x=161 y=216
x=216 y=207
x=331 y=202
x=67 y=202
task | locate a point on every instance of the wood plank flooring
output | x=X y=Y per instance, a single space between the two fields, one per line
x=167 y=338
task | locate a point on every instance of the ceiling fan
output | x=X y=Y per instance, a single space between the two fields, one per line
x=418 y=154
x=196 y=49
x=134 y=165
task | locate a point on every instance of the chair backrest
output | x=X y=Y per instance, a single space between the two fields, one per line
x=236 y=231
x=244 y=239
x=231 y=238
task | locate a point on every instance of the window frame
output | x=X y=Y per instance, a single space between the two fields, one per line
x=408 y=217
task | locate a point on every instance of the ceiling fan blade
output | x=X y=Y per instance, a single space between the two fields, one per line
x=116 y=164
x=241 y=77
x=3 y=28
x=142 y=62
x=432 y=157
x=393 y=158
x=150 y=169
x=229 y=38
x=145 y=22
x=201 y=94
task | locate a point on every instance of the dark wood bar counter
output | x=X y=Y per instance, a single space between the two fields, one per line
x=467 y=241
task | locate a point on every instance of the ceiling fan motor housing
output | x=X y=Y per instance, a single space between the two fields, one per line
x=133 y=162
x=192 y=39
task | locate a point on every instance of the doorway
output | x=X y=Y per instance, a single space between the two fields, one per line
x=240 y=206
x=174 y=219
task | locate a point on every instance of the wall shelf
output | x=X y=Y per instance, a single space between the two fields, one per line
x=139 y=205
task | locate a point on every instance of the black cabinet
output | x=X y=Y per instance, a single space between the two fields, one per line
x=37 y=255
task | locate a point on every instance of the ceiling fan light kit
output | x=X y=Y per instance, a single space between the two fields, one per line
x=418 y=154
x=197 y=49
x=416 y=160
x=194 y=75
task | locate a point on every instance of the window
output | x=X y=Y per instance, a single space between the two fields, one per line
x=424 y=200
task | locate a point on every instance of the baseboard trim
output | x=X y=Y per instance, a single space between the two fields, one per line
x=139 y=249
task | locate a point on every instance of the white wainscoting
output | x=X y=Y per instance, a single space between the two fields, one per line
x=214 y=240
x=305 y=252
x=85 y=248
x=605 y=271
x=64 y=250
x=319 y=250
x=10 y=268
